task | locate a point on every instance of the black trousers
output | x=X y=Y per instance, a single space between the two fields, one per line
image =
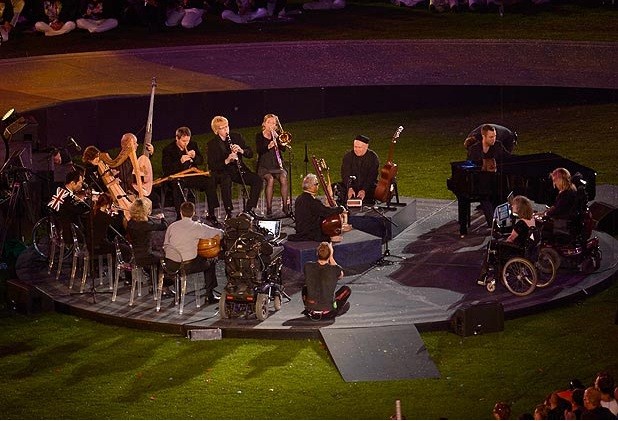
x=199 y=264
x=198 y=182
x=225 y=180
x=341 y=297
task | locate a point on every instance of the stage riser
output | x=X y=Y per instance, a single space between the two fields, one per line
x=356 y=250
x=371 y=222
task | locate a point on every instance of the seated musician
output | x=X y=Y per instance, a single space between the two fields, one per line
x=516 y=241
x=181 y=155
x=506 y=136
x=140 y=229
x=183 y=236
x=564 y=206
x=359 y=172
x=487 y=154
x=319 y=296
x=310 y=212
x=270 y=162
x=68 y=205
x=126 y=169
x=225 y=162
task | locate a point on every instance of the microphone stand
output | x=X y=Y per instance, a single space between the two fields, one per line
x=382 y=261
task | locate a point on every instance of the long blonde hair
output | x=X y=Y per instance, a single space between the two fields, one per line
x=140 y=209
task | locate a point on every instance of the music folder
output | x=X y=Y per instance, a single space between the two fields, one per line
x=355 y=203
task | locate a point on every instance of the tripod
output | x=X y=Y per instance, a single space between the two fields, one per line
x=387 y=253
x=389 y=204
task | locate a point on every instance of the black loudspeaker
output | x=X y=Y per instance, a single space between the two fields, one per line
x=605 y=217
x=477 y=319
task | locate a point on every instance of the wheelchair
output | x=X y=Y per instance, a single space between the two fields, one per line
x=253 y=271
x=570 y=241
x=520 y=269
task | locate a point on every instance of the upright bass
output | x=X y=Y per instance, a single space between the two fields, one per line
x=331 y=225
x=383 y=191
x=143 y=162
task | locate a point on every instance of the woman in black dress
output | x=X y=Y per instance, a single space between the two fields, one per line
x=270 y=161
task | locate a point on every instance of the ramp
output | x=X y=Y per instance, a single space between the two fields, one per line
x=379 y=353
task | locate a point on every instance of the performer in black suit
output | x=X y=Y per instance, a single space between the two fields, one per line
x=181 y=155
x=225 y=162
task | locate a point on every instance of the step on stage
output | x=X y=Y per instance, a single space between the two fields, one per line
x=434 y=279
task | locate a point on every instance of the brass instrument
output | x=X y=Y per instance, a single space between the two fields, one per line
x=284 y=138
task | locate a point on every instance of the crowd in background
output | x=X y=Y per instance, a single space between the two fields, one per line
x=57 y=17
x=576 y=402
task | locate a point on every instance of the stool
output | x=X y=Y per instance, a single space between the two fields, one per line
x=136 y=273
x=80 y=255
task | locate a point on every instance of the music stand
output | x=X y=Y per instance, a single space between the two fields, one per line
x=387 y=253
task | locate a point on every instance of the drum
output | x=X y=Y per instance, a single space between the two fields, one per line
x=208 y=247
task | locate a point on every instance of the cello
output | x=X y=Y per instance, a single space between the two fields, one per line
x=384 y=191
x=143 y=162
x=331 y=225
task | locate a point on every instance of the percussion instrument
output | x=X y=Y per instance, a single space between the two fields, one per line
x=209 y=247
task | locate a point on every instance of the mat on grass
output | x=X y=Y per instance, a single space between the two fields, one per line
x=379 y=353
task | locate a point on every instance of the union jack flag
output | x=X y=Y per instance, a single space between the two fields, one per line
x=58 y=199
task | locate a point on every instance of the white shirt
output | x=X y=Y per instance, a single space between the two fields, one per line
x=183 y=236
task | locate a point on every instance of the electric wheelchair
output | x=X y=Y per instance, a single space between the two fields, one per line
x=569 y=242
x=520 y=269
x=253 y=270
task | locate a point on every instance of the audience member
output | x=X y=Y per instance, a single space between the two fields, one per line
x=502 y=411
x=557 y=406
x=243 y=11
x=594 y=410
x=541 y=411
x=55 y=17
x=98 y=15
x=326 y=5
x=605 y=384
x=577 y=405
x=186 y=13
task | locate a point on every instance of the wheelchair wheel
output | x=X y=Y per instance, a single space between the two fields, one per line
x=546 y=269
x=519 y=276
x=491 y=285
x=277 y=302
x=554 y=256
x=261 y=306
x=224 y=310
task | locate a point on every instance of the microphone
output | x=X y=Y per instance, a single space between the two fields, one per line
x=74 y=143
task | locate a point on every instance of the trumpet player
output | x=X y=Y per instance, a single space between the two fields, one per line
x=225 y=161
x=270 y=161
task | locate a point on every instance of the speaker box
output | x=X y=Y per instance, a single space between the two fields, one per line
x=477 y=319
x=605 y=217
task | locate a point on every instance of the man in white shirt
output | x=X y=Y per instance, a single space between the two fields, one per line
x=181 y=239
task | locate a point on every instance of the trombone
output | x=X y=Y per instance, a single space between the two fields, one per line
x=285 y=138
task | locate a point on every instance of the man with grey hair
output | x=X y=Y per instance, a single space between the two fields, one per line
x=310 y=212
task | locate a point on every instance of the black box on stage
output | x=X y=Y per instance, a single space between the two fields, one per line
x=477 y=319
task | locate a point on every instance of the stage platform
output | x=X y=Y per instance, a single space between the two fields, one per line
x=432 y=276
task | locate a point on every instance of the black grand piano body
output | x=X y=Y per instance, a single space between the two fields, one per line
x=526 y=175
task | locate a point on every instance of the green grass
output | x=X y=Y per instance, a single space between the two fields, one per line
x=59 y=366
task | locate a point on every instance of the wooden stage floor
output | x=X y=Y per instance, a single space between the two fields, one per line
x=434 y=277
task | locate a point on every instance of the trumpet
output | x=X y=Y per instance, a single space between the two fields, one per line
x=285 y=138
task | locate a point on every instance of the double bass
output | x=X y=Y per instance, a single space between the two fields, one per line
x=331 y=225
x=143 y=162
x=383 y=191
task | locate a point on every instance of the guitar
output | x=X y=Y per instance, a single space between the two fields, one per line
x=383 y=191
x=331 y=225
x=144 y=164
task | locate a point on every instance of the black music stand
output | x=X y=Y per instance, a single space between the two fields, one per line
x=387 y=253
x=290 y=212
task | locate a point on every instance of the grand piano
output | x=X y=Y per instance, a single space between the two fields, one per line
x=527 y=175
